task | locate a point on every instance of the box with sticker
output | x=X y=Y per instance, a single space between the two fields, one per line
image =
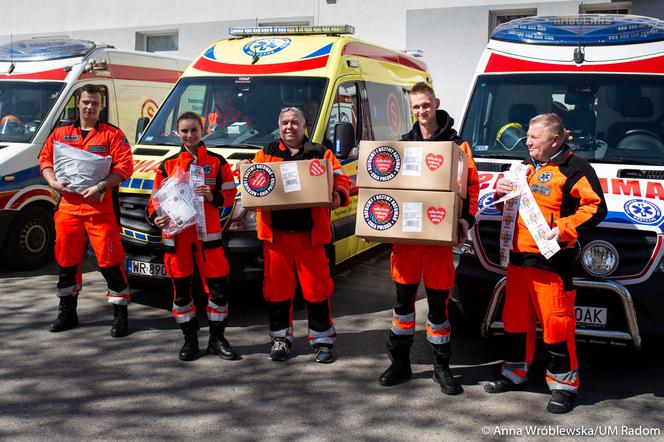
x=413 y=165
x=286 y=184
x=408 y=216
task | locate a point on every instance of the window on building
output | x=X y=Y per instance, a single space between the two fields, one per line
x=162 y=42
x=503 y=16
x=607 y=8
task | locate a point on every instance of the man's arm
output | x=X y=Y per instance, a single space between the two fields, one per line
x=122 y=167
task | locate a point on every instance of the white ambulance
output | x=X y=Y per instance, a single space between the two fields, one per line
x=37 y=80
x=604 y=75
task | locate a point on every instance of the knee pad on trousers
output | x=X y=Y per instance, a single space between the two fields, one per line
x=406 y=294
x=515 y=347
x=219 y=290
x=558 y=325
x=437 y=300
x=559 y=361
x=114 y=278
x=67 y=276
x=182 y=288
x=318 y=314
x=279 y=314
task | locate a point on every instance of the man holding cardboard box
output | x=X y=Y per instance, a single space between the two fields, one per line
x=294 y=238
x=410 y=262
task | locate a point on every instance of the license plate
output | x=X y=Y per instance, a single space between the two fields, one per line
x=154 y=269
x=590 y=316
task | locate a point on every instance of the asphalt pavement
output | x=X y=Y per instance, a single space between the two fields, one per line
x=82 y=384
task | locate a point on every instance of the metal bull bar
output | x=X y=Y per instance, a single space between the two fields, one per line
x=490 y=322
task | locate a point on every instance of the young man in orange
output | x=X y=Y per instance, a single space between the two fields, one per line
x=567 y=192
x=191 y=245
x=294 y=243
x=409 y=263
x=90 y=213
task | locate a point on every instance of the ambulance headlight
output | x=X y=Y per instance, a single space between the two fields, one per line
x=599 y=258
x=242 y=219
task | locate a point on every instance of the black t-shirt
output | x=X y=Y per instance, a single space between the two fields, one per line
x=293 y=220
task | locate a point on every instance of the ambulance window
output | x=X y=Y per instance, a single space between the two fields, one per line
x=69 y=112
x=24 y=105
x=389 y=111
x=344 y=108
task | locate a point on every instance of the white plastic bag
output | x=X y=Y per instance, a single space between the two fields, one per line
x=176 y=199
x=81 y=168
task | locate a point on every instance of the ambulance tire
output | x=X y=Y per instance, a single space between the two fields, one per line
x=30 y=239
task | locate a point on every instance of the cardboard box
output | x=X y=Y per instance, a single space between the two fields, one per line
x=408 y=216
x=286 y=184
x=413 y=165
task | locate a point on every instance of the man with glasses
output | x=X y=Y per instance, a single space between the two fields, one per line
x=294 y=245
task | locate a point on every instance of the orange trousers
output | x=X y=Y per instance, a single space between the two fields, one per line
x=409 y=263
x=535 y=294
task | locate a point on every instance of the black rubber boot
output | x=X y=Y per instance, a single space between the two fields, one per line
x=218 y=345
x=399 y=371
x=441 y=369
x=561 y=402
x=67 y=317
x=189 y=350
x=120 y=325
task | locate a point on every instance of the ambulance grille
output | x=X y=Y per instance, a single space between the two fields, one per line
x=634 y=247
x=492 y=167
x=641 y=174
x=132 y=214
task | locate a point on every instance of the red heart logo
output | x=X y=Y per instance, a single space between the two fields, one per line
x=384 y=163
x=434 y=161
x=316 y=168
x=258 y=180
x=381 y=212
x=436 y=214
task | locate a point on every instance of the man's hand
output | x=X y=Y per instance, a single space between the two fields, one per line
x=245 y=161
x=204 y=190
x=554 y=234
x=336 y=200
x=463 y=231
x=92 y=193
x=60 y=186
x=503 y=187
x=161 y=221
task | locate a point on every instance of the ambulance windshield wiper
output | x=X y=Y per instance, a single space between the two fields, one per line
x=622 y=160
x=502 y=156
x=241 y=146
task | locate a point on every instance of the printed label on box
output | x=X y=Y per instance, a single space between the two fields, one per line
x=290 y=177
x=412 y=161
x=412 y=217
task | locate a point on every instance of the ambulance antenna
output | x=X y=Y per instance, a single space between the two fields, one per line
x=579 y=54
x=12 y=66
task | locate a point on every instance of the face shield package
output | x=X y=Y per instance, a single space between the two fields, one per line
x=176 y=199
x=81 y=168
x=512 y=135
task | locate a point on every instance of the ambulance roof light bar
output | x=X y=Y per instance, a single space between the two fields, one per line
x=418 y=53
x=581 y=30
x=291 y=30
x=42 y=49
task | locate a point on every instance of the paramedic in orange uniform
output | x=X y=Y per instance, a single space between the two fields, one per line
x=409 y=263
x=569 y=194
x=195 y=245
x=94 y=212
x=224 y=113
x=294 y=245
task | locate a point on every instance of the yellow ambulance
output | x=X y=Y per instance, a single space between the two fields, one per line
x=349 y=90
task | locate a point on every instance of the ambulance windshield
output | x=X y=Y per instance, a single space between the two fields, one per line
x=236 y=111
x=23 y=107
x=612 y=118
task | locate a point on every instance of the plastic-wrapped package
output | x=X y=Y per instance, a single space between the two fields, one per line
x=176 y=199
x=81 y=168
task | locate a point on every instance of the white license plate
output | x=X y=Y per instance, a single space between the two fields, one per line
x=154 y=269
x=593 y=316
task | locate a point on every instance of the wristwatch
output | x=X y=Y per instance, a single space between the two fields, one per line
x=100 y=187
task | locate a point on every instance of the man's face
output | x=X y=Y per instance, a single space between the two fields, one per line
x=222 y=98
x=542 y=142
x=291 y=128
x=423 y=107
x=89 y=106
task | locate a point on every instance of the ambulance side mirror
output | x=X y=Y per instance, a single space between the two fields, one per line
x=344 y=139
x=141 y=124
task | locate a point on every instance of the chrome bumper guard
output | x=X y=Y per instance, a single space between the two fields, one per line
x=490 y=323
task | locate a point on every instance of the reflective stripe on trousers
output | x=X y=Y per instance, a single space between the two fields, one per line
x=403 y=324
x=71 y=290
x=185 y=313
x=283 y=333
x=216 y=312
x=325 y=337
x=563 y=381
x=119 y=298
x=438 y=333
x=516 y=372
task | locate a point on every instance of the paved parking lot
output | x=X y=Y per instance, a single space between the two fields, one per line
x=82 y=384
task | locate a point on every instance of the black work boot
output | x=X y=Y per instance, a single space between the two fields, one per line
x=441 y=369
x=120 y=325
x=67 y=317
x=189 y=350
x=399 y=371
x=218 y=345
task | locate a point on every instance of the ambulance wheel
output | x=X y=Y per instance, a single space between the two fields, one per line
x=30 y=239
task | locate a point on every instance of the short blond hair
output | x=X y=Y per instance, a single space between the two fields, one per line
x=422 y=88
x=552 y=121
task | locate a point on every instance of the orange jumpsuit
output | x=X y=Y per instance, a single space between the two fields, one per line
x=188 y=246
x=409 y=263
x=294 y=245
x=569 y=194
x=77 y=217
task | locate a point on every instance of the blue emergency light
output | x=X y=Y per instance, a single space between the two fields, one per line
x=291 y=30
x=40 y=49
x=581 y=30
